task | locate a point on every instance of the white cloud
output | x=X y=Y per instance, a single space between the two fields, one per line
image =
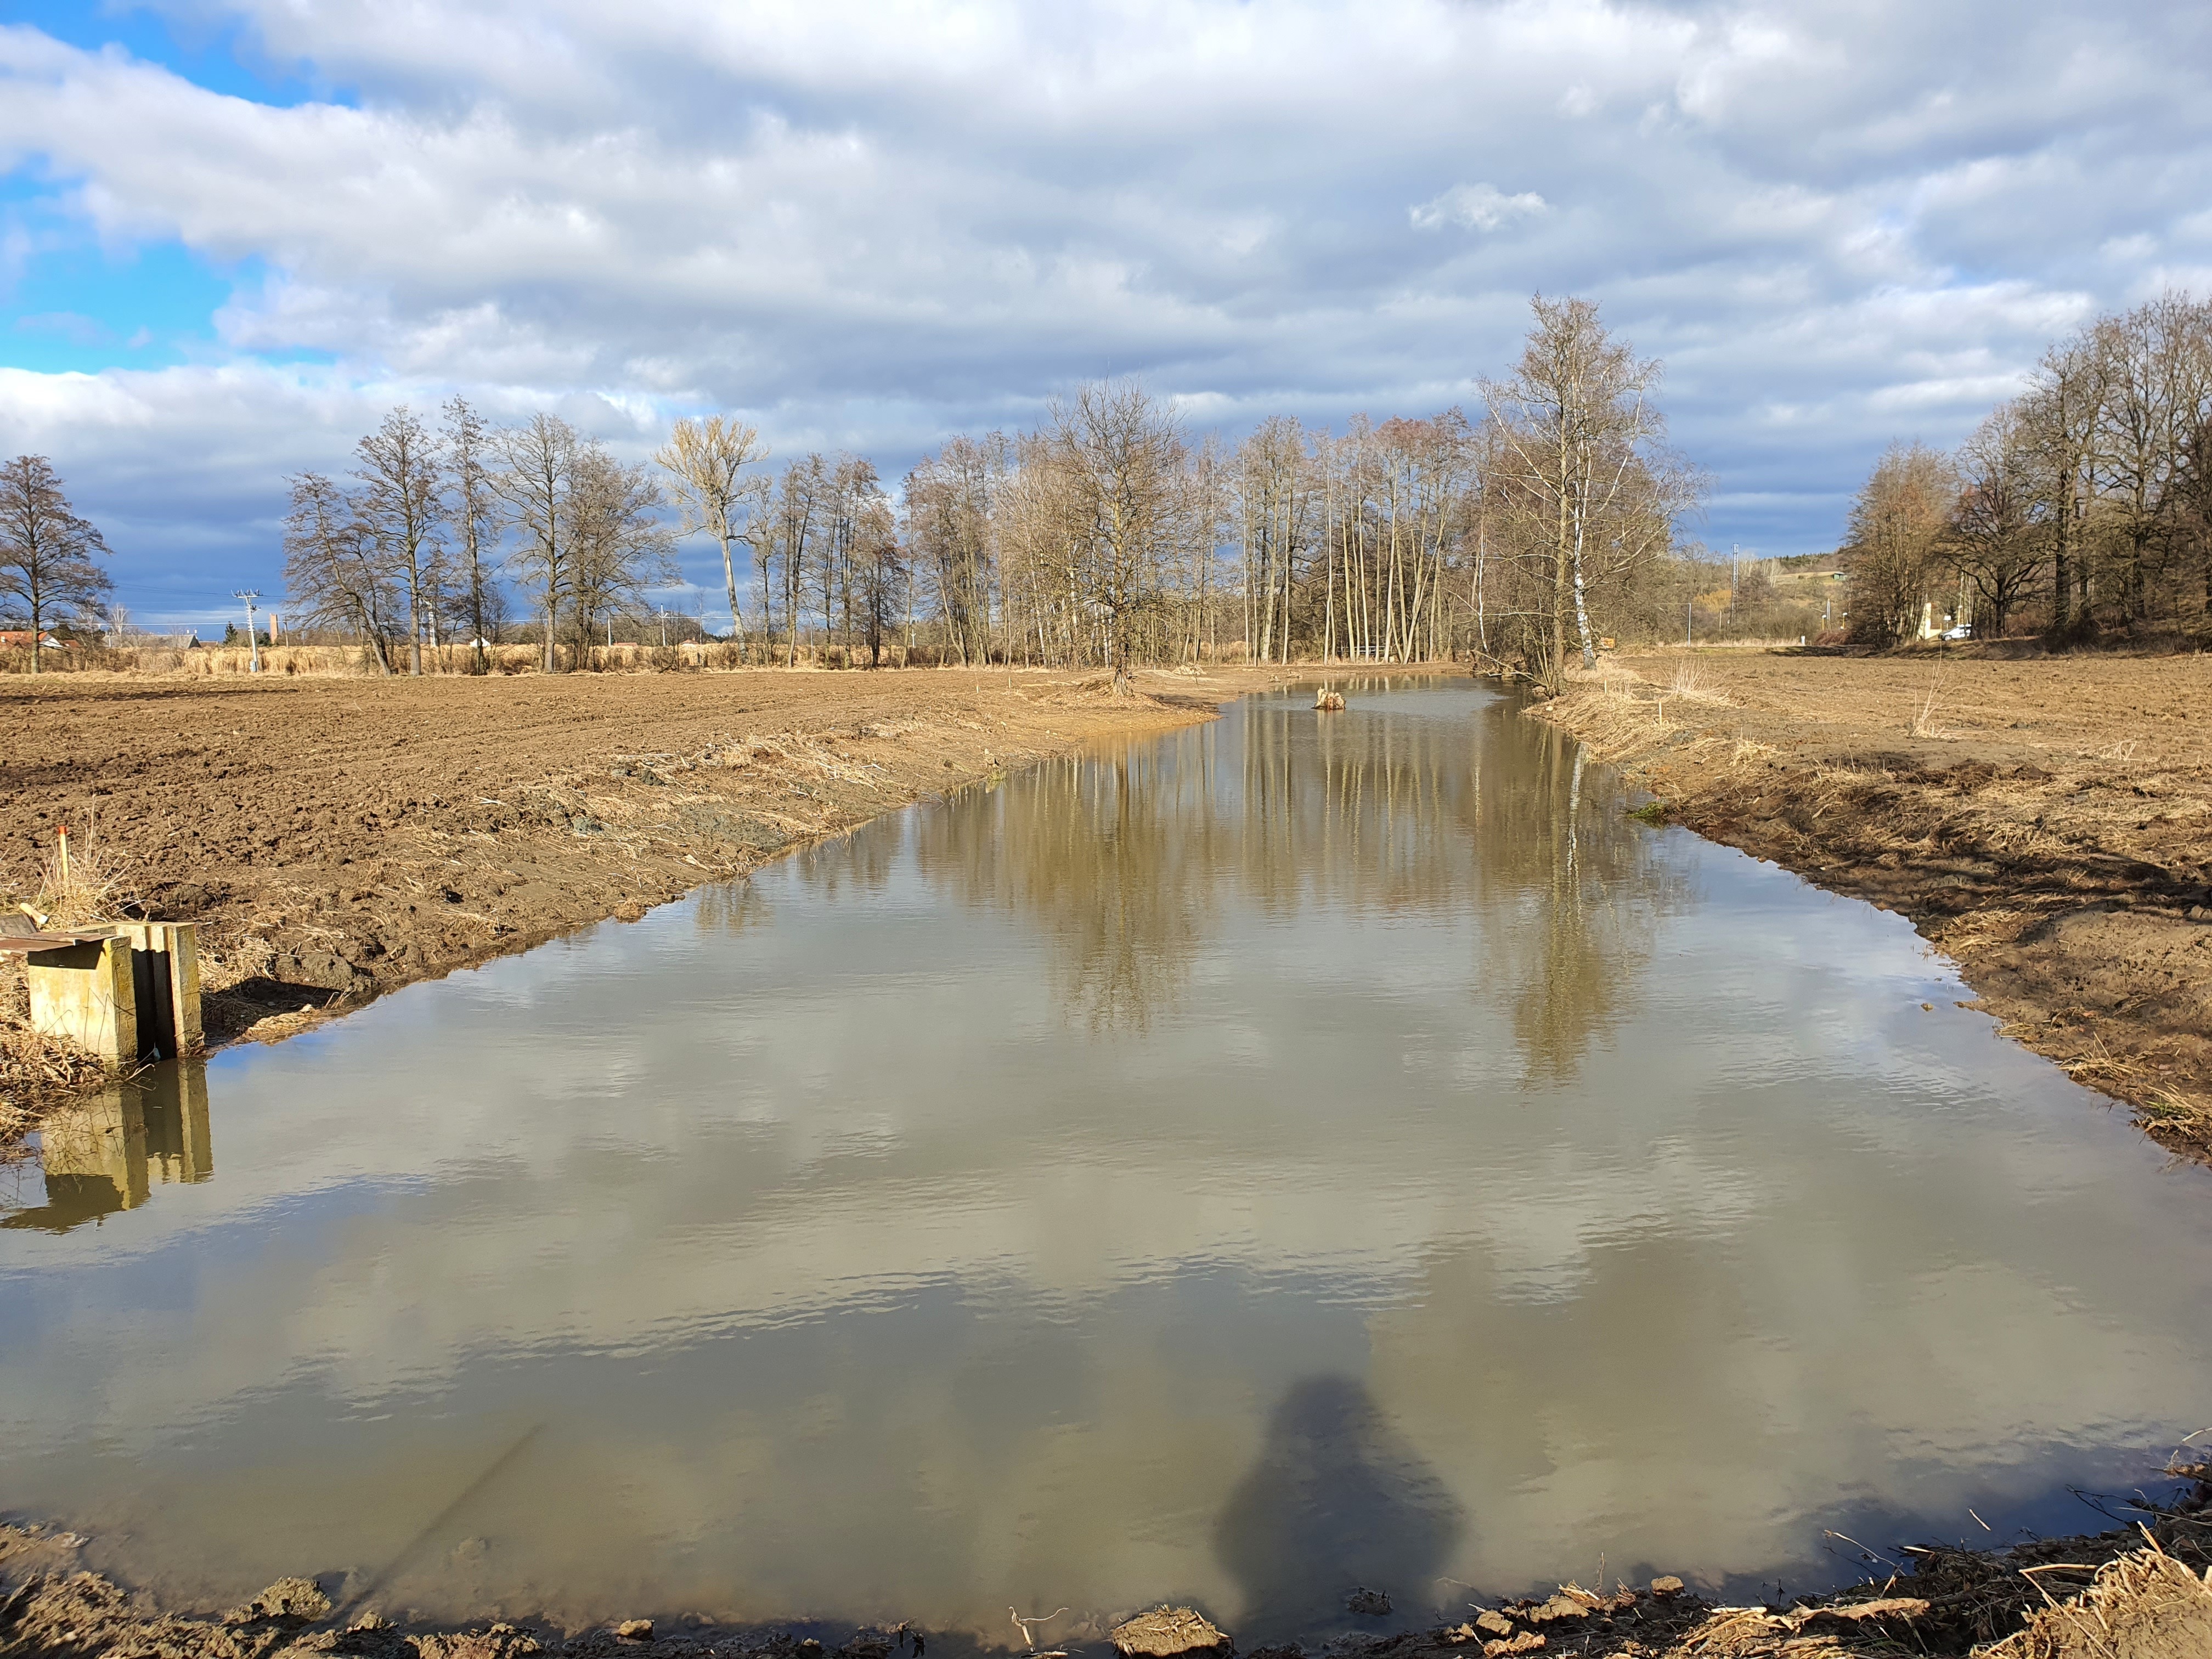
x=870 y=227
x=1478 y=207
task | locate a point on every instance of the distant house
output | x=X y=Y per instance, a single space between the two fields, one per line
x=139 y=640
x=19 y=639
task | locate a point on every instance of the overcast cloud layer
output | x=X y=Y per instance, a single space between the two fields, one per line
x=232 y=234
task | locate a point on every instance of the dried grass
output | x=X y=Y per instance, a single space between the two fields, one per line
x=85 y=881
x=36 y=1075
x=1691 y=685
x=1924 y=722
x=2146 y=1605
x=2158 y=1104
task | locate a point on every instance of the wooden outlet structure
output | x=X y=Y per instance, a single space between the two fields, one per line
x=127 y=993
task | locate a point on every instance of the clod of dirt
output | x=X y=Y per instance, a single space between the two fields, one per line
x=288 y=1598
x=1493 y=1623
x=1560 y=1606
x=1166 y=1632
x=1667 y=1585
x=1372 y=1604
x=634 y=1630
x=1526 y=1642
x=500 y=1642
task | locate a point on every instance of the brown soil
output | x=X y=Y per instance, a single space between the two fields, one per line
x=337 y=838
x=2045 y=822
x=2141 y=1592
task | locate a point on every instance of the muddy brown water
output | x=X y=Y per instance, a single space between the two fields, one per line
x=1296 y=1154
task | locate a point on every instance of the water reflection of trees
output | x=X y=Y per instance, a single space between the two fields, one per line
x=730 y=906
x=1454 y=809
x=1588 y=893
x=1382 y=812
x=1116 y=857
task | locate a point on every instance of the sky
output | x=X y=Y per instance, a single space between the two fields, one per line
x=234 y=232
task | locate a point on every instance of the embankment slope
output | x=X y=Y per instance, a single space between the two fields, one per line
x=2047 y=822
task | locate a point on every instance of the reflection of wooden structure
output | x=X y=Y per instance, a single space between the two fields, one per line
x=109 y=1151
x=126 y=993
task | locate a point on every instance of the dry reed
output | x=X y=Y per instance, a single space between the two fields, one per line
x=2145 y=1603
x=85 y=882
x=1691 y=685
x=1924 y=722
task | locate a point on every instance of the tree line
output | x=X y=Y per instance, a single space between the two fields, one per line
x=2081 y=508
x=412 y=552
x=1107 y=536
x=1522 y=533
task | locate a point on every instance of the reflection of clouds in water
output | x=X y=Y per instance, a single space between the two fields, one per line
x=802 y=1213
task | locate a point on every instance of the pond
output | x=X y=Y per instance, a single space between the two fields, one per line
x=1300 y=1153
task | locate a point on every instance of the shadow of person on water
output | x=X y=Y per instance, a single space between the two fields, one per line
x=1337 y=1500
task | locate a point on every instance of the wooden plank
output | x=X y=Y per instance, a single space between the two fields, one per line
x=24 y=943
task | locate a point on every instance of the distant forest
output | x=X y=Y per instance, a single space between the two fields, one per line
x=2080 y=508
x=1529 y=532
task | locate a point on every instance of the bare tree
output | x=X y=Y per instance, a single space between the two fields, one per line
x=45 y=550
x=1581 y=438
x=472 y=509
x=760 y=535
x=2156 y=380
x=704 y=458
x=1205 y=520
x=399 y=501
x=1273 y=505
x=878 y=576
x=855 y=492
x=1119 y=453
x=1998 y=535
x=618 y=546
x=1894 y=525
x=337 y=571
x=797 y=518
x=2058 y=431
x=535 y=476
x=952 y=500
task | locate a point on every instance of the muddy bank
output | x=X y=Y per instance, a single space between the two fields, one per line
x=2047 y=824
x=2142 y=1590
x=337 y=839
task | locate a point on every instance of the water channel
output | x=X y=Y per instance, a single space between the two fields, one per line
x=1294 y=1153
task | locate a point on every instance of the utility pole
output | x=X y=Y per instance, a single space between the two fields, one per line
x=253 y=643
